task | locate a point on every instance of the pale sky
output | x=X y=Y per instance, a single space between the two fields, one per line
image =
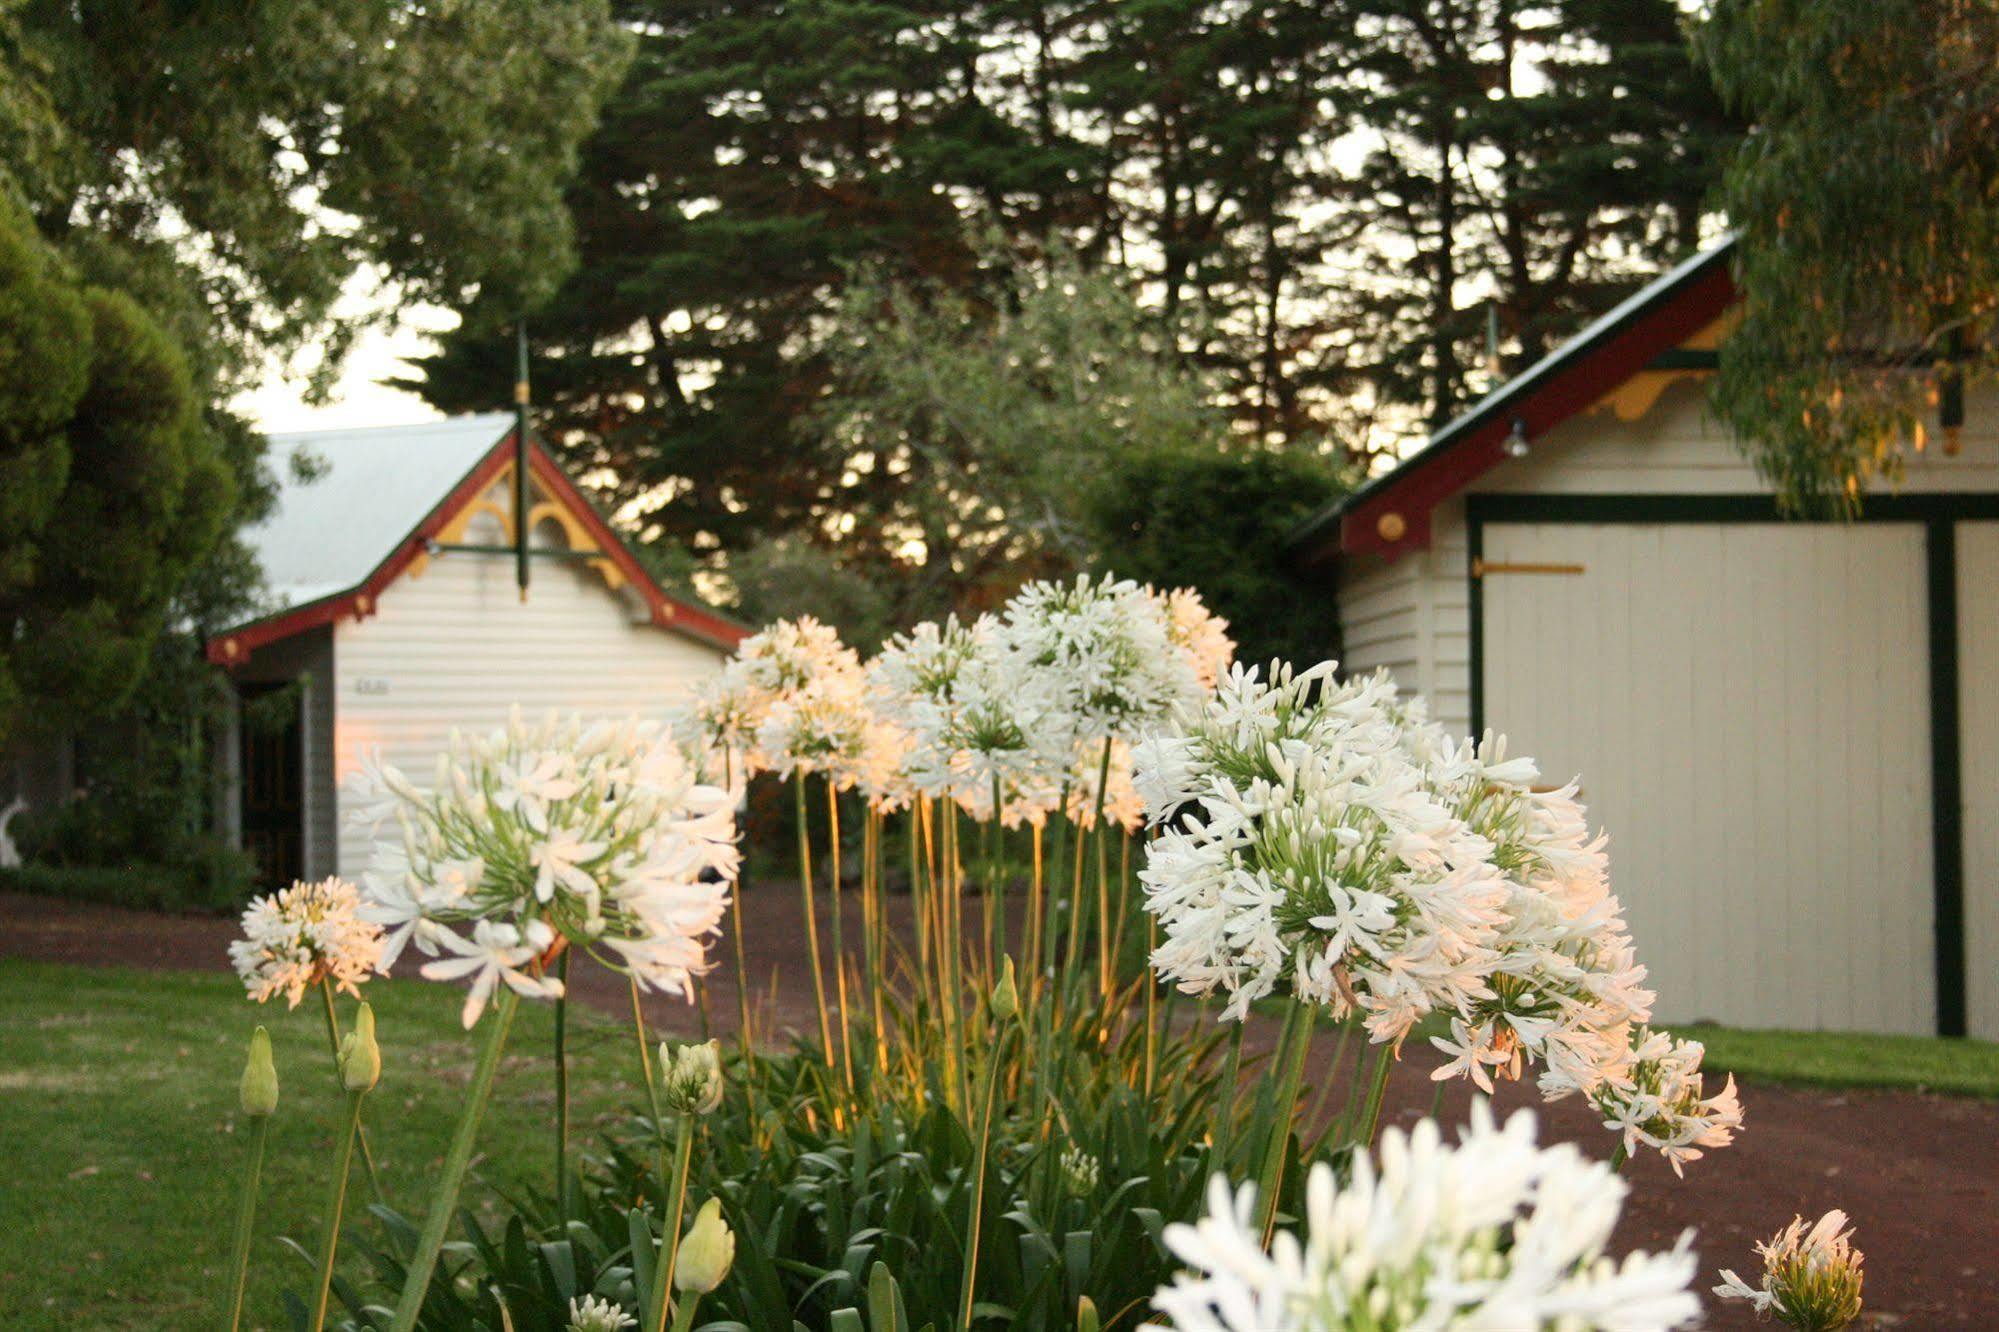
x=359 y=397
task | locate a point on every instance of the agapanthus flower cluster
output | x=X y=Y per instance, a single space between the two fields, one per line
x=1495 y=1232
x=976 y=715
x=1300 y=844
x=298 y=936
x=1811 y=1276
x=794 y=699
x=1327 y=835
x=536 y=838
x=1031 y=700
x=591 y=1314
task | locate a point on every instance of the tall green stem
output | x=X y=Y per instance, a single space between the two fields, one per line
x=333 y=1040
x=562 y=1089
x=812 y=922
x=1292 y=1047
x=669 y=1240
x=1224 y=1127
x=839 y=936
x=336 y=1204
x=968 y=1283
x=1376 y=1094
x=736 y=927
x=451 y=1178
x=246 y=1217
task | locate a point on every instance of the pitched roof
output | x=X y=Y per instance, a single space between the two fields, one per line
x=370 y=503
x=369 y=491
x=1391 y=512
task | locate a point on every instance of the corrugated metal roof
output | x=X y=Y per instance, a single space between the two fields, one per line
x=374 y=486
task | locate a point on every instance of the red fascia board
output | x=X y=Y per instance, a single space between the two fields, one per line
x=1569 y=390
x=667 y=610
x=234 y=647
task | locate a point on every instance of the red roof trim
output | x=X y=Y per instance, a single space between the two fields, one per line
x=1426 y=481
x=234 y=647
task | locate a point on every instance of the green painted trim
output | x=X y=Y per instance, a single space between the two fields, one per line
x=1904 y=508
x=1475 y=613
x=1946 y=779
x=1940 y=513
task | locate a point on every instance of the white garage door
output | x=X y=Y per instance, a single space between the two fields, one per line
x=1978 y=723
x=1748 y=708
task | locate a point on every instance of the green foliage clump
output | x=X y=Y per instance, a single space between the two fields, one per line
x=1867 y=206
x=1218 y=524
x=115 y=486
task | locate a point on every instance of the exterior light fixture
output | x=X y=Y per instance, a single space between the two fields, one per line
x=1516 y=439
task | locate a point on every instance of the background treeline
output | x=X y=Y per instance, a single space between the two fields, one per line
x=872 y=298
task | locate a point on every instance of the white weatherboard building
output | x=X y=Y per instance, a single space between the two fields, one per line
x=399 y=617
x=1789 y=729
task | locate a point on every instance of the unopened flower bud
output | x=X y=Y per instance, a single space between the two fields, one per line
x=691 y=1078
x=360 y=1057
x=1006 y=997
x=707 y=1251
x=1086 y=1315
x=259 y=1088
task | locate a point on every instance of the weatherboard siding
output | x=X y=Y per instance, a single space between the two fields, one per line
x=454 y=646
x=1412 y=614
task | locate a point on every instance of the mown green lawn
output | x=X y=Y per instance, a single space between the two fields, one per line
x=1842 y=1060
x=118 y=1120
x=118 y=1091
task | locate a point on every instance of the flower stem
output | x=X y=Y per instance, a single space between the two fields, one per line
x=246 y=1217
x=336 y=1203
x=1225 y=1096
x=1376 y=1094
x=683 y=1316
x=1292 y=1047
x=669 y=1240
x=839 y=937
x=562 y=1089
x=736 y=927
x=812 y=923
x=969 y=1282
x=333 y=1040
x=444 y=1200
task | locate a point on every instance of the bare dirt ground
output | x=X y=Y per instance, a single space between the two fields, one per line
x=1918 y=1173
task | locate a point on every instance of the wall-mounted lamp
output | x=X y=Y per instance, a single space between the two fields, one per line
x=1516 y=439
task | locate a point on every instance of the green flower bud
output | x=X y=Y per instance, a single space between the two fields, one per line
x=1086 y=1315
x=259 y=1089
x=1006 y=997
x=690 y=1078
x=707 y=1251
x=360 y=1057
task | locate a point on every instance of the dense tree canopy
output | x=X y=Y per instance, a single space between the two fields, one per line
x=1316 y=204
x=1867 y=203
x=186 y=189
x=112 y=484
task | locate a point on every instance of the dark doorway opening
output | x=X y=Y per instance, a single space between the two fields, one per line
x=271 y=759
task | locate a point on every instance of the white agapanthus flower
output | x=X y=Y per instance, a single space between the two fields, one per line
x=298 y=936
x=975 y=712
x=540 y=837
x=1811 y=1279
x=1493 y=1233
x=1108 y=647
x=1199 y=633
x=1328 y=836
x=593 y=1314
x=1300 y=844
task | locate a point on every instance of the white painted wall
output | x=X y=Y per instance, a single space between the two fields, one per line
x=1978 y=723
x=455 y=646
x=1748 y=709
x=1412 y=615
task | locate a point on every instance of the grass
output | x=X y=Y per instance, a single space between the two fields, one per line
x=1849 y=1060
x=120 y=1096
x=119 y=1089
